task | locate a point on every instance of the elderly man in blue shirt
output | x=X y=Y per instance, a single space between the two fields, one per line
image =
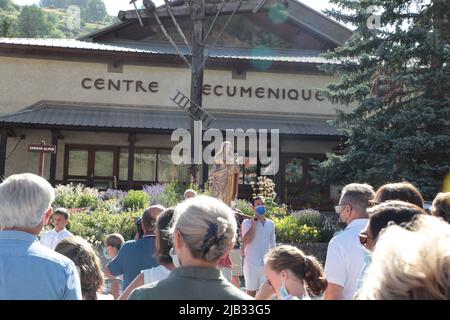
x=28 y=270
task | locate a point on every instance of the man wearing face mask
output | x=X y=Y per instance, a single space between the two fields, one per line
x=258 y=237
x=345 y=256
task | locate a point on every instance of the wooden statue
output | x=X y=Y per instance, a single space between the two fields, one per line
x=224 y=176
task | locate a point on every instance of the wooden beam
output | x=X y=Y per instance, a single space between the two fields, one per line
x=185 y=11
x=131 y=151
x=55 y=137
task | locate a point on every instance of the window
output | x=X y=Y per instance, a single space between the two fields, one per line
x=104 y=163
x=300 y=189
x=167 y=171
x=78 y=162
x=144 y=165
x=105 y=166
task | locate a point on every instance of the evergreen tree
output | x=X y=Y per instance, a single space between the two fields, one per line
x=32 y=23
x=63 y=4
x=393 y=94
x=5 y=27
x=95 y=11
x=4 y=4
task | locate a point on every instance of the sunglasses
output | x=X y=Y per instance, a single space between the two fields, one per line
x=340 y=207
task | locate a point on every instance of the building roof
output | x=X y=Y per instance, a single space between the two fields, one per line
x=298 y=13
x=47 y=114
x=303 y=56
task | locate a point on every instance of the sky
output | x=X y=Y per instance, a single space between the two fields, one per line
x=114 y=6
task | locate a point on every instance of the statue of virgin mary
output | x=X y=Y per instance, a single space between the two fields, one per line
x=224 y=176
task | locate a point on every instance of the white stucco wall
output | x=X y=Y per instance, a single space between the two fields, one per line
x=25 y=81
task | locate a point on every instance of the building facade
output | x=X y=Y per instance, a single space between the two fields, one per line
x=106 y=100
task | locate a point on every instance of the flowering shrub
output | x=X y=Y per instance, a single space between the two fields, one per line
x=309 y=217
x=113 y=205
x=305 y=226
x=265 y=187
x=136 y=199
x=289 y=230
x=96 y=225
x=245 y=207
x=113 y=194
x=155 y=192
x=75 y=196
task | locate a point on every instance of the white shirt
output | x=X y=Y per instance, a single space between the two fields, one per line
x=263 y=240
x=155 y=274
x=51 y=238
x=345 y=258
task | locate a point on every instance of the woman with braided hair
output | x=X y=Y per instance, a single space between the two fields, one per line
x=203 y=230
x=88 y=265
x=291 y=275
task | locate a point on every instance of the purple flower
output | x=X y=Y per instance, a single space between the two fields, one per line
x=113 y=193
x=155 y=191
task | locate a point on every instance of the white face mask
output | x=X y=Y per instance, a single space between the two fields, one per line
x=175 y=259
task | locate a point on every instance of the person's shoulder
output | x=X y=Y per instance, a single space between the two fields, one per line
x=48 y=233
x=146 y=292
x=270 y=221
x=51 y=256
x=129 y=243
x=247 y=221
x=235 y=293
x=338 y=240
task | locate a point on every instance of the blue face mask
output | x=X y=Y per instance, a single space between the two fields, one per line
x=261 y=210
x=285 y=295
x=106 y=254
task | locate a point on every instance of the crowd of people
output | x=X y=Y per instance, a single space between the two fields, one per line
x=391 y=248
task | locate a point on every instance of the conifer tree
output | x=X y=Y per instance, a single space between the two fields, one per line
x=393 y=94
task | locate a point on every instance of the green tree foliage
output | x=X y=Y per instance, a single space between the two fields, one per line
x=394 y=86
x=5 y=26
x=59 y=3
x=95 y=11
x=4 y=4
x=32 y=23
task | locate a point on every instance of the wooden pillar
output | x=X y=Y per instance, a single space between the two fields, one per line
x=198 y=18
x=3 y=141
x=53 y=158
x=131 y=151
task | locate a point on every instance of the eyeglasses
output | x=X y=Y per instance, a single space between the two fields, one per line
x=340 y=207
x=363 y=238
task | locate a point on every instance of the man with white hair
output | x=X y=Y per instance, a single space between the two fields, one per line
x=29 y=270
x=345 y=256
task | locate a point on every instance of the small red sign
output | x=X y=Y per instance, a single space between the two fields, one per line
x=42 y=148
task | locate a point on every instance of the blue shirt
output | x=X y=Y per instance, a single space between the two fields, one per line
x=30 y=271
x=133 y=257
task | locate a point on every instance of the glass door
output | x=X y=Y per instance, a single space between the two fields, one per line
x=102 y=172
x=91 y=166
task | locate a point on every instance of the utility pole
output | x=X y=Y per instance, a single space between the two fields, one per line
x=197 y=10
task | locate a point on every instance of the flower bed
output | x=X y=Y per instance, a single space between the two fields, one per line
x=96 y=214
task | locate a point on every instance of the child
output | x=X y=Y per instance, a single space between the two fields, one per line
x=60 y=218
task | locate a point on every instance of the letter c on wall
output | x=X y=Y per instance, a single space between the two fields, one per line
x=83 y=83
